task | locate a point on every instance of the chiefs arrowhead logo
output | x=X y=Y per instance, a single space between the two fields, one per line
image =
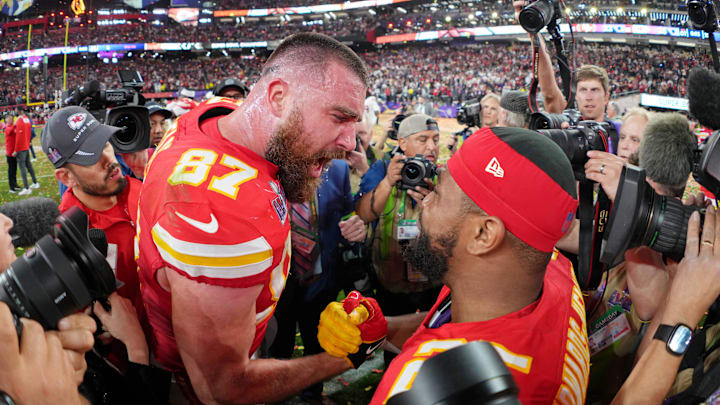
x=494 y=168
x=76 y=121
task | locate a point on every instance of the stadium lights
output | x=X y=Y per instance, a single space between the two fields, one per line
x=620 y=10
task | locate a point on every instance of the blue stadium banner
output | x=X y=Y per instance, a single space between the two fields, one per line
x=183 y=3
x=14 y=7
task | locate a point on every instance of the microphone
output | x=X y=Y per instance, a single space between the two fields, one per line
x=86 y=89
x=703 y=92
x=32 y=218
x=99 y=240
x=667 y=149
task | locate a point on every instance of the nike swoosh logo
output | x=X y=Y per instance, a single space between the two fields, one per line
x=208 y=227
x=371 y=349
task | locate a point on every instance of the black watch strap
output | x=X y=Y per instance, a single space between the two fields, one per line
x=664 y=332
x=675 y=345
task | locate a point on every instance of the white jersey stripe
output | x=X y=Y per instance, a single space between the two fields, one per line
x=257 y=245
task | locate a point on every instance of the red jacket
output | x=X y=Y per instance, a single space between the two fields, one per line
x=23 y=130
x=10 y=139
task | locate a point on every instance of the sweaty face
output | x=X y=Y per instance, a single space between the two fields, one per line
x=103 y=179
x=631 y=133
x=490 y=111
x=288 y=150
x=439 y=225
x=592 y=98
x=426 y=143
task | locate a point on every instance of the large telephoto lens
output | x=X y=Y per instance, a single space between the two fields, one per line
x=536 y=15
x=134 y=122
x=59 y=276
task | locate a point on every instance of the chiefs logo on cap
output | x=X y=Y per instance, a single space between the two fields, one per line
x=76 y=121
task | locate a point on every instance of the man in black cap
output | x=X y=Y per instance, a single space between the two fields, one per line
x=516 y=109
x=158 y=115
x=79 y=148
x=231 y=88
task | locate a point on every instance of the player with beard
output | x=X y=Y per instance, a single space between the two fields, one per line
x=213 y=228
x=493 y=249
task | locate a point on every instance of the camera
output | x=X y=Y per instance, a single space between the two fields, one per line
x=414 y=172
x=470 y=374
x=539 y=14
x=543 y=120
x=393 y=132
x=59 y=276
x=640 y=217
x=701 y=14
x=578 y=140
x=469 y=113
x=123 y=108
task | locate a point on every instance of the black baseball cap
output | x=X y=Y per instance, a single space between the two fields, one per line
x=73 y=135
x=227 y=83
x=154 y=108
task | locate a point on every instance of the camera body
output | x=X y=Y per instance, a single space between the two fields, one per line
x=641 y=217
x=577 y=140
x=123 y=108
x=414 y=172
x=60 y=275
x=469 y=113
x=539 y=14
x=392 y=133
x=543 y=120
x=702 y=16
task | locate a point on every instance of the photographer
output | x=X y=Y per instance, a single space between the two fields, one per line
x=78 y=146
x=158 y=122
x=516 y=110
x=490 y=110
x=631 y=132
x=635 y=288
x=43 y=367
x=402 y=289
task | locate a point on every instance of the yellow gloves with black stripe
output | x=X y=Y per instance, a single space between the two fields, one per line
x=353 y=328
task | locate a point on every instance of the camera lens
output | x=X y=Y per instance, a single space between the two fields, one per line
x=412 y=171
x=667 y=220
x=697 y=14
x=129 y=126
x=536 y=16
x=58 y=276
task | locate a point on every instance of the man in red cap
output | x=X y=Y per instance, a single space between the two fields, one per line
x=484 y=235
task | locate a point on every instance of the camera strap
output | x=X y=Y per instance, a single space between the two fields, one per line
x=593 y=221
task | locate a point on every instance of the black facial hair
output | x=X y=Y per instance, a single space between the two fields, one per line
x=424 y=257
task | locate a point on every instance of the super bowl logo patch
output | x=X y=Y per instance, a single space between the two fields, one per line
x=76 y=121
x=279 y=203
x=53 y=155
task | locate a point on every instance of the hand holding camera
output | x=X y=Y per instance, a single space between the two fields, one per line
x=604 y=168
x=394 y=169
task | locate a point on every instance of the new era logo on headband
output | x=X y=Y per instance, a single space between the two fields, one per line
x=76 y=121
x=494 y=168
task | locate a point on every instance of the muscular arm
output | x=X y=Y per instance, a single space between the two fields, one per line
x=401 y=327
x=552 y=95
x=214 y=328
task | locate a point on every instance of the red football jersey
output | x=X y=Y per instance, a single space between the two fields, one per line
x=544 y=344
x=214 y=212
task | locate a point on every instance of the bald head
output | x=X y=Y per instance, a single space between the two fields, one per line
x=315 y=52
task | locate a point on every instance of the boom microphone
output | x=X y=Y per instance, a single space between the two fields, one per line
x=32 y=219
x=704 y=97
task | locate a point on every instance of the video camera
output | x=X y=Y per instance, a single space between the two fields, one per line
x=414 y=172
x=63 y=273
x=123 y=107
x=641 y=217
x=539 y=14
x=578 y=139
x=469 y=113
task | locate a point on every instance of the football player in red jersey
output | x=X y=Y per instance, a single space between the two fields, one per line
x=483 y=233
x=213 y=226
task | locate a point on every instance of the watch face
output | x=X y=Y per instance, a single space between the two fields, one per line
x=680 y=339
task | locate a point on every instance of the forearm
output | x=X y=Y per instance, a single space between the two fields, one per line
x=400 y=328
x=378 y=197
x=552 y=95
x=380 y=145
x=271 y=380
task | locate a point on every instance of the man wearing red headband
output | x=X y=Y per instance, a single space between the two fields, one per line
x=488 y=231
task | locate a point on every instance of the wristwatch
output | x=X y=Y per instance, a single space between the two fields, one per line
x=677 y=338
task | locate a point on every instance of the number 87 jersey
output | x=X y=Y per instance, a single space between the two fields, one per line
x=214 y=212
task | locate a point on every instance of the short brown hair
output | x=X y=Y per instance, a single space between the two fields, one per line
x=593 y=72
x=309 y=47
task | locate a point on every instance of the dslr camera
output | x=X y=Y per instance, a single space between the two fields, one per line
x=123 y=108
x=469 y=113
x=641 y=217
x=414 y=172
x=63 y=273
x=539 y=14
x=392 y=133
x=578 y=139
